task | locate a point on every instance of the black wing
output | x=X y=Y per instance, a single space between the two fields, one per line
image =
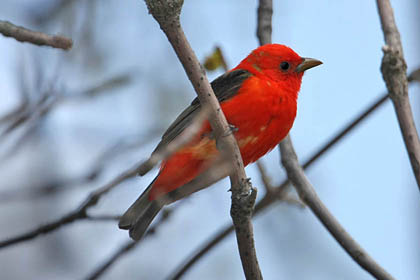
x=224 y=87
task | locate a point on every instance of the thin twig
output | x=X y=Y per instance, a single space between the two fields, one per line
x=394 y=72
x=51 y=188
x=270 y=190
x=32 y=114
x=22 y=34
x=79 y=214
x=122 y=250
x=264 y=177
x=111 y=218
x=167 y=14
x=214 y=240
x=308 y=195
x=97 y=168
x=128 y=246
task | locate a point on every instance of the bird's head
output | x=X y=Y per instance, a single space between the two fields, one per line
x=279 y=63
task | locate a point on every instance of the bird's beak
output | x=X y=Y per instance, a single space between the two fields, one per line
x=307 y=63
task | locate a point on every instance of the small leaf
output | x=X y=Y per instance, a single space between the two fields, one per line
x=215 y=60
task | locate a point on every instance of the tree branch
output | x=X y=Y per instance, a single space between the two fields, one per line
x=308 y=195
x=22 y=34
x=167 y=15
x=264 y=19
x=394 y=70
x=120 y=147
x=79 y=214
x=127 y=247
x=264 y=177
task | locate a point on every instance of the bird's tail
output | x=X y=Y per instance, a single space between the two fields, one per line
x=140 y=215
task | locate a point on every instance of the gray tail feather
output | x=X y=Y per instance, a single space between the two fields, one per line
x=140 y=215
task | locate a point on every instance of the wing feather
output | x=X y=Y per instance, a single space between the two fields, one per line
x=225 y=87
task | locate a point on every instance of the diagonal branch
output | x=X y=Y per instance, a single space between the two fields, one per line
x=121 y=146
x=308 y=195
x=79 y=214
x=22 y=34
x=127 y=247
x=167 y=15
x=394 y=70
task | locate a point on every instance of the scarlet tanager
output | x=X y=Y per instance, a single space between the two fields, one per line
x=258 y=98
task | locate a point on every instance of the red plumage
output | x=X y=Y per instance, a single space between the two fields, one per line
x=258 y=97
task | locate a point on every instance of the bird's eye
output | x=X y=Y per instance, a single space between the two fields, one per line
x=284 y=66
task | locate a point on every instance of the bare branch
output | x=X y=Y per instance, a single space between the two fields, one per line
x=32 y=114
x=51 y=188
x=124 y=249
x=167 y=14
x=308 y=195
x=394 y=72
x=264 y=177
x=111 y=83
x=414 y=76
x=79 y=214
x=22 y=34
x=111 y=218
x=128 y=246
x=97 y=168
x=264 y=16
x=213 y=241
x=270 y=190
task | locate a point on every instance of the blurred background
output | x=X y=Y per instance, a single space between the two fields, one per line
x=94 y=111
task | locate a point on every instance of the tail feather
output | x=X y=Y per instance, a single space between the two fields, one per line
x=139 y=228
x=140 y=215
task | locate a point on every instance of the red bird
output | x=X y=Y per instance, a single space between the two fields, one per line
x=258 y=98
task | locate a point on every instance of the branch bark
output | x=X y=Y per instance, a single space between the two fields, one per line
x=167 y=15
x=264 y=19
x=394 y=72
x=22 y=34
